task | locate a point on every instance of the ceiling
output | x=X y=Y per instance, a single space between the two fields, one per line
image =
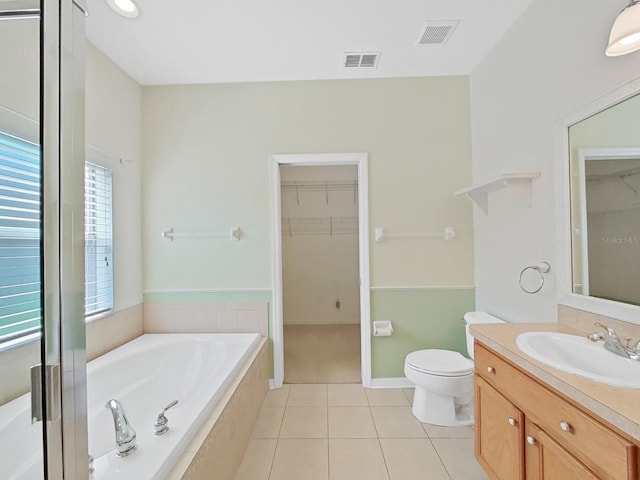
x=215 y=41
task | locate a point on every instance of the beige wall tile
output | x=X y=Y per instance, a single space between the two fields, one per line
x=184 y=320
x=301 y=459
x=162 y=321
x=227 y=321
x=410 y=459
x=351 y=422
x=249 y=321
x=397 y=422
x=206 y=320
x=109 y=332
x=356 y=459
x=304 y=422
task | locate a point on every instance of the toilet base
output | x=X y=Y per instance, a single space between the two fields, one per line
x=443 y=410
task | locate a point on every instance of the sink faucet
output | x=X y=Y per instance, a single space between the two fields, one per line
x=613 y=343
x=125 y=434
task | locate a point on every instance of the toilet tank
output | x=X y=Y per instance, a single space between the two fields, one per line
x=471 y=318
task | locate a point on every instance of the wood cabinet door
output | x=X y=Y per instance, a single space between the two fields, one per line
x=499 y=434
x=546 y=460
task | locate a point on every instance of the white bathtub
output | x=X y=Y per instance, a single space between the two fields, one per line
x=145 y=375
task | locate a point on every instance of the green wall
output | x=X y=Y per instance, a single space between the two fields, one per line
x=421 y=319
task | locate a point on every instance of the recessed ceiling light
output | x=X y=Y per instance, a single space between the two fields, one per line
x=126 y=8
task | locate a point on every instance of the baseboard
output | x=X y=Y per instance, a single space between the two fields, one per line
x=397 y=382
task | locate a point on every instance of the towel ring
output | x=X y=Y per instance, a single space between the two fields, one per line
x=541 y=268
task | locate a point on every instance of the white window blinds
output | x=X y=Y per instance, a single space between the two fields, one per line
x=98 y=240
x=20 y=279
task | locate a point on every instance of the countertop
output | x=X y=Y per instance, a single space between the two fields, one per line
x=617 y=406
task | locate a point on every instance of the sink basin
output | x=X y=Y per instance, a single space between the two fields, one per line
x=580 y=356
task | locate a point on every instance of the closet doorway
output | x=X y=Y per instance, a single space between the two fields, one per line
x=321 y=316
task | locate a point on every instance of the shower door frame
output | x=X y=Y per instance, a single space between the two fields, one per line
x=360 y=160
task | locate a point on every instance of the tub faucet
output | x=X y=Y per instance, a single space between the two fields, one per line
x=125 y=434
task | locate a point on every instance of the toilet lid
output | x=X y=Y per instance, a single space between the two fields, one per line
x=440 y=362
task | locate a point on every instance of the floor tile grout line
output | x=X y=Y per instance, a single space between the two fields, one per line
x=441 y=461
x=384 y=458
x=273 y=458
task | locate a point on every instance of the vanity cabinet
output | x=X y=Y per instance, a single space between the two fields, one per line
x=547 y=460
x=524 y=430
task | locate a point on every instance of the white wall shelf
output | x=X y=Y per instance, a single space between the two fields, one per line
x=521 y=183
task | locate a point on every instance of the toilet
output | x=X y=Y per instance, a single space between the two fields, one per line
x=443 y=380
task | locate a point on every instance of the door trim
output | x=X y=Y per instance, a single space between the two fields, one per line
x=360 y=160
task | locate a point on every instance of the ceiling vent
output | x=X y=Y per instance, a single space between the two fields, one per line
x=361 y=59
x=436 y=32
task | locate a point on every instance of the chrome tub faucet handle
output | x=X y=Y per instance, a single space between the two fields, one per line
x=161 y=422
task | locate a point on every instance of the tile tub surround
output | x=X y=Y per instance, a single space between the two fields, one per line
x=348 y=432
x=207 y=317
x=114 y=330
x=216 y=451
x=619 y=407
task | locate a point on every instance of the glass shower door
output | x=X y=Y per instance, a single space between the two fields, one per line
x=42 y=361
x=21 y=345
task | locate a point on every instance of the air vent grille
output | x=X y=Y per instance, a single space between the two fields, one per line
x=436 y=33
x=361 y=59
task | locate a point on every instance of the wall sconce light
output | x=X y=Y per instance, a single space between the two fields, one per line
x=625 y=32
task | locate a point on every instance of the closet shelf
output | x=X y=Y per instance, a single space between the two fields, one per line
x=521 y=183
x=326 y=186
x=293 y=226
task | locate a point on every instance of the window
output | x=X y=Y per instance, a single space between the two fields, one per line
x=98 y=240
x=20 y=274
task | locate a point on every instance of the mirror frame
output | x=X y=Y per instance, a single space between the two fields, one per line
x=566 y=297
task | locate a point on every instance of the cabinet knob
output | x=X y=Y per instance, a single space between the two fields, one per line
x=531 y=440
x=566 y=427
x=512 y=422
x=491 y=369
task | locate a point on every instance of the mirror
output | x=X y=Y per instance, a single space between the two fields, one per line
x=605 y=204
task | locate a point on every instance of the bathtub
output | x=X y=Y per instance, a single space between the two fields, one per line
x=145 y=375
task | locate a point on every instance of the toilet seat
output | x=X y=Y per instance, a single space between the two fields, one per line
x=443 y=363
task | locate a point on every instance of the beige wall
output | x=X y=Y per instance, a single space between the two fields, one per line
x=207 y=167
x=320 y=269
x=113 y=125
x=522 y=88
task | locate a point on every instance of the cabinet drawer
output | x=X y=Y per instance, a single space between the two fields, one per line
x=610 y=456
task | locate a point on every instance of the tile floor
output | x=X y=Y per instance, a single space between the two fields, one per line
x=322 y=353
x=347 y=432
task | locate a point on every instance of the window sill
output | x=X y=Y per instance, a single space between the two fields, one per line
x=98 y=316
x=19 y=342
